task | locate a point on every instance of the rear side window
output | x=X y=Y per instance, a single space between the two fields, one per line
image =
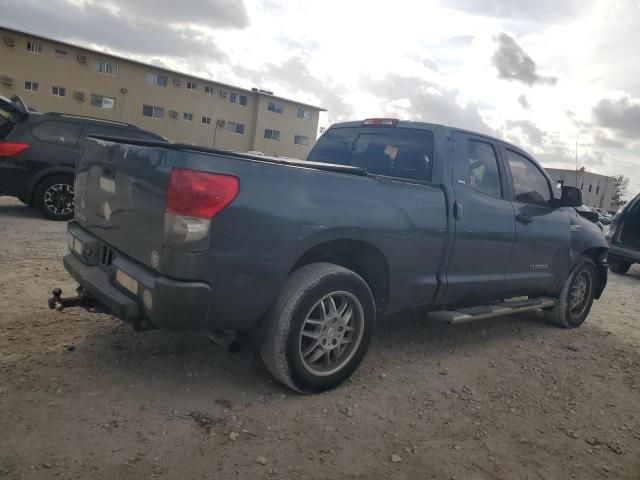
x=394 y=152
x=530 y=185
x=478 y=169
x=63 y=133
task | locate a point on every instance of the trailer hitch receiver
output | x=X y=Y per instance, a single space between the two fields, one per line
x=56 y=302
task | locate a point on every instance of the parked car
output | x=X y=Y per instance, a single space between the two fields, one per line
x=38 y=152
x=623 y=236
x=603 y=216
x=383 y=216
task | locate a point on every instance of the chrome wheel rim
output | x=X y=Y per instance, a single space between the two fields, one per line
x=331 y=333
x=58 y=199
x=580 y=293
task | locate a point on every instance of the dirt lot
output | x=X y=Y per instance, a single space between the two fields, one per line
x=83 y=396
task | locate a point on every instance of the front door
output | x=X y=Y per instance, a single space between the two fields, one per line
x=543 y=233
x=484 y=222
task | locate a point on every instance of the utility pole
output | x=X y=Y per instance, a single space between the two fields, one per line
x=577 y=164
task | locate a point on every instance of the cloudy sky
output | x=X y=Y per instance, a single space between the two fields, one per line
x=543 y=74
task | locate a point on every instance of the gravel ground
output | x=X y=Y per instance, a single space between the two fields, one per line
x=83 y=396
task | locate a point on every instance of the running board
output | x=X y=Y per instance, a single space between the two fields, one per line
x=491 y=311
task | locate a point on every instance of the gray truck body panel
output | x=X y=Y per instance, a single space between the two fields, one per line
x=286 y=209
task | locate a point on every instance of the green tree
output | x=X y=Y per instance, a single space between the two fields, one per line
x=620 y=187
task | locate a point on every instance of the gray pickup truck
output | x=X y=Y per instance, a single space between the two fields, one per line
x=383 y=216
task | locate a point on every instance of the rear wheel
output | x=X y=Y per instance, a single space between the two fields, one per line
x=54 y=197
x=576 y=297
x=319 y=328
x=618 y=266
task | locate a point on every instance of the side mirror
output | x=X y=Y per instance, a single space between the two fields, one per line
x=571 y=197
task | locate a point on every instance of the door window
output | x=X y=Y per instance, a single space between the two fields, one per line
x=478 y=169
x=63 y=133
x=530 y=185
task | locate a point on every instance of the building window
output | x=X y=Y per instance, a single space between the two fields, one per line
x=60 y=53
x=100 y=101
x=272 y=134
x=275 y=107
x=58 y=91
x=235 y=127
x=208 y=89
x=108 y=68
x=306 y=114
x=598 y=189
x=31 y=86
x=590 y=187
x=206 y=120
x=34 y=46
x=191 y=85
x=155 y=79
x=152 y=111
x=187 y=116
x=301 y=140
x=239 y=99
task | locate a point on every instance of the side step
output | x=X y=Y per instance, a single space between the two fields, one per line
x=491 y=311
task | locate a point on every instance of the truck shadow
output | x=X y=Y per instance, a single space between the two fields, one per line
x=168 y=366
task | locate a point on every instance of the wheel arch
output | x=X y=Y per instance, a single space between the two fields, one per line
x=359 y=256
x=599 y=257
x=42 y=175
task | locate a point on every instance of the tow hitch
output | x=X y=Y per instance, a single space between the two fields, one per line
x=82 y=299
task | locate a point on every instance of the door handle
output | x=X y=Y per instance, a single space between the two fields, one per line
x=457 y=210
x=524 y=218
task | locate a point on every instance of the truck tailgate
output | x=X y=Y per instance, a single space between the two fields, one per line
x=120 y=196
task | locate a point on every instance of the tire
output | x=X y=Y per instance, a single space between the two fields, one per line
x=618 y=266
x=324 y=310
x=53 y=196
x=567 y=313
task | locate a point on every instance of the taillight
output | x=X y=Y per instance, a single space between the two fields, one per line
x=11 y=149
x=193 y=199
x=381 y=122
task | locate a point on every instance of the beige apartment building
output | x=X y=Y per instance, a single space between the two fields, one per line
x=54 y=76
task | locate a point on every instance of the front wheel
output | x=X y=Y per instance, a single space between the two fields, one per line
x=319 y=328
x=54 y=197
x=618 y=266
x=574 y=302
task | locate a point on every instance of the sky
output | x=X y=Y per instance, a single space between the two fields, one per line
x=543 y=74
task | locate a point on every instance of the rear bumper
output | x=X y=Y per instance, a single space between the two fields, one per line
x=158 y=300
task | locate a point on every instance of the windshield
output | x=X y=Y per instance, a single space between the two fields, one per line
x=395 y=152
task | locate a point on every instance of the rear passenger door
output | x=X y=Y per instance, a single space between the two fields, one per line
x=543 y=233
x=484 y=222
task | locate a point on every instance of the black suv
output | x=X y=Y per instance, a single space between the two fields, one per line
x=623 y=236
x=38 y=152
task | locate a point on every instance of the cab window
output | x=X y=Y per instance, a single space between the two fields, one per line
x=393 y=152
x=530 y=184
x=478 y=169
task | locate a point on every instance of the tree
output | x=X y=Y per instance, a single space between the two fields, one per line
x=620 y=187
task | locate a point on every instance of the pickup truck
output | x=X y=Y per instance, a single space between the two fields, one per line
x=383 y=216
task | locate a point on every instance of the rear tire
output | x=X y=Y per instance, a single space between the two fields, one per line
x=319 y=328
x=574 y=302
x=54 y=197
x=618 y=266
